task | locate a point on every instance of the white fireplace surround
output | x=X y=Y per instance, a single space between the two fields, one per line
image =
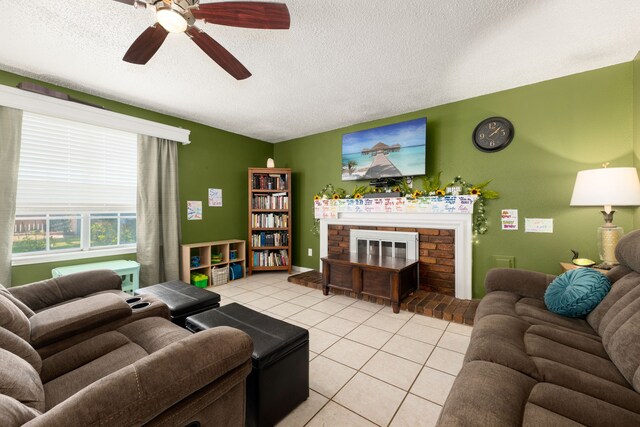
x=459 y=222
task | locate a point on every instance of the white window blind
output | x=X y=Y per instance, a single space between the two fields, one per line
x=71 y=167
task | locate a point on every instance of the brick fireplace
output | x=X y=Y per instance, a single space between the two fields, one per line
x=436 y=253
x=445 y=244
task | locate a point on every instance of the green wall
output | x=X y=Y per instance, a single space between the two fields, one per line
x=561 y=126
x=214 y=159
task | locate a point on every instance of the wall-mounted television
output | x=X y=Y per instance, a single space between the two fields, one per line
x=390 y=151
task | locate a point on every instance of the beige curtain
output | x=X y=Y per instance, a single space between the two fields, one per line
x=158 y=213
x=10 y=134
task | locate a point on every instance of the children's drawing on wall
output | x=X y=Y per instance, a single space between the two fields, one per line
x=215 y=197
x=194 y=210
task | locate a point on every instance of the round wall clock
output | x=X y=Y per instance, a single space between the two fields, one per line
x=493 y=134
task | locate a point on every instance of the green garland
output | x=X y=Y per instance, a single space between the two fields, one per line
x=431 y=186
x=480 y=190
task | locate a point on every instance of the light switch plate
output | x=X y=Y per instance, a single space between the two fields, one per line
x=504 y=261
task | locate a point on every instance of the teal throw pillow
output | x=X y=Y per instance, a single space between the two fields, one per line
x=576 y=292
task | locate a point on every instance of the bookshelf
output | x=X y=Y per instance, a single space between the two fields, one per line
x=269 y=220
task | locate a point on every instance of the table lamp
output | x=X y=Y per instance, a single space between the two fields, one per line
x=607 y=187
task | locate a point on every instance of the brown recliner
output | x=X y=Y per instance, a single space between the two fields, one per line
x=528 y=366
x=148 y=371
x=70 y=309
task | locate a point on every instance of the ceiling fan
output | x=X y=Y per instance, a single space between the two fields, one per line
x=179 y=16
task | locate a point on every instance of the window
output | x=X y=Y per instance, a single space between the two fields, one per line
x=76 y=189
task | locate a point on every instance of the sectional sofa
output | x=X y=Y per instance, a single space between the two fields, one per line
x=528 y=366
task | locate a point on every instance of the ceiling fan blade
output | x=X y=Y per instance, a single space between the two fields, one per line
x=146 y=45
x=130 y=2
x=219 y=54
x=246 y=14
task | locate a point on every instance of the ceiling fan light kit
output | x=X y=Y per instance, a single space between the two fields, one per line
x=171 y=21
x=179 y=16
x=175 y=16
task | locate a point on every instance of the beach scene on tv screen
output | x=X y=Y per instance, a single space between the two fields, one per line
x=385 y=152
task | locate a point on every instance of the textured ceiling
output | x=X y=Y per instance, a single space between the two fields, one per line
x=342 y=62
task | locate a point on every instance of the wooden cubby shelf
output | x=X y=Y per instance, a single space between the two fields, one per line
x=269 y=220
x=206 y=251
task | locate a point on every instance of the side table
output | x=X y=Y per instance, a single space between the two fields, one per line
x=566 y=266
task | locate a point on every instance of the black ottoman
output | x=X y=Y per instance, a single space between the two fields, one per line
x=182 y=299
x=279 y=380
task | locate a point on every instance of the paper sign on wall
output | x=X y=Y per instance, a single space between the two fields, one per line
x=194 y=210
x=538 y=225
x=509 y=219
x=329 y=208
x=215 y=197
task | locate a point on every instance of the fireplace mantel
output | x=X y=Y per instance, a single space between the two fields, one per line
x=461 y=223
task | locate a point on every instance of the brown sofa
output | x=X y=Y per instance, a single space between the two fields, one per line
x=127 y=369
x=528 y=366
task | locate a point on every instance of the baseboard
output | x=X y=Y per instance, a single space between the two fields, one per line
x=299 y=269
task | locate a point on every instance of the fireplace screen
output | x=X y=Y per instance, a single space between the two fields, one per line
x=384 y=244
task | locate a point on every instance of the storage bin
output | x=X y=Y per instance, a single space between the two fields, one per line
x=280 y=360
x=235 y=271
x=199 y=280
x=219 y=276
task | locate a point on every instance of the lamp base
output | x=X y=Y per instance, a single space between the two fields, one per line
x=608 y=237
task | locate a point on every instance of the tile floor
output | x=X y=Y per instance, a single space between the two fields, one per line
x=367 y=365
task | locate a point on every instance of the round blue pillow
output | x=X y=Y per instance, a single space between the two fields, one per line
x=576 y=292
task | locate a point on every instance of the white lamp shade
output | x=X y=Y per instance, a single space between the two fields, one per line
x=171 y=20
x=607 y=187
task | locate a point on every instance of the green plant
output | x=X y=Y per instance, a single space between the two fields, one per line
x=32 y=242
x=331 y=192
x=361 y=190
x=431 y=185
x=483 y=194
x=127 y=231
x=404 y=187
x=104 y=232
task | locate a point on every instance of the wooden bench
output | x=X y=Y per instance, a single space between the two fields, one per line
x=381 y=277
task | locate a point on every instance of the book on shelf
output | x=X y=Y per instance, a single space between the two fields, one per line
x=275 y=201
x=269 y=220
x=269 y=182
x=265 y=238
x=267 y=258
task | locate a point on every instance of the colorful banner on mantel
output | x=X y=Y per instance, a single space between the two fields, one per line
x=330 y=208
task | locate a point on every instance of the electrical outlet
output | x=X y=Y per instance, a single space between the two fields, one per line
x=310 y=252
